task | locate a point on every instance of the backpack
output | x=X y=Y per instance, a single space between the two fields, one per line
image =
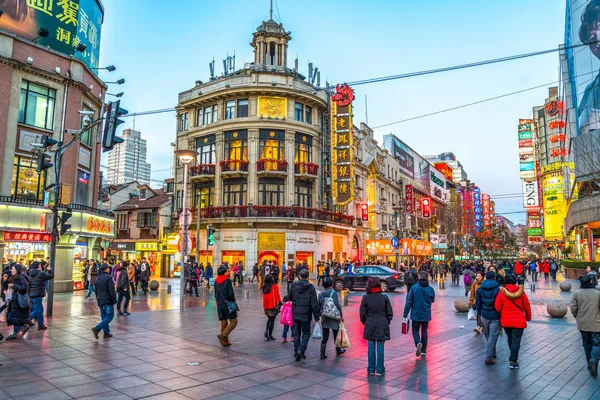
x=329 y=309
x=467 y=279
x=411 y=277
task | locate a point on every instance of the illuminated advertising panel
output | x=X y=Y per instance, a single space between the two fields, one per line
x=487 y=214
x=531 y=196
x=555 y=206
x=477 y=209
x=342 y=139
x=409 y=200
x=444 y=169
x=437 y=184
x=68 y=22
x=527 y=166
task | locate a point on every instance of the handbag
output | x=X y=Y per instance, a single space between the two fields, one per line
x=405 y=326
x=232 y=306
x=342 y=341
x=23 y=300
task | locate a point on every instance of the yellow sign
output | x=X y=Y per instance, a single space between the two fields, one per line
x=99 y=225
x=555 y=206
x=146 y=246
x=338 y=243
x=342 y=171
x=273 y=107
x=557 y=166
x=271 y=241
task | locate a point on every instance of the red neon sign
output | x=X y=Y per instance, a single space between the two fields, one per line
x=27 y=237
x=556 y=124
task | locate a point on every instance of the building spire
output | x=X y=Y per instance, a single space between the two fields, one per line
x=271 y=10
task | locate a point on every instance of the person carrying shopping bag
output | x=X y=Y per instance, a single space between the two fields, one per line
x=376 y=315
x=331 y=316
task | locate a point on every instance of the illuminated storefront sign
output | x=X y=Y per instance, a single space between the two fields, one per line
x=477 y=209
x=146 y=246
x=444 y=169
x=487 y=215
x=531 y=196
x=558 y=166
x=30 y=237
x=409 y=201
x=272 y=107
x=410 y=247
x=554 y=206
x=342 y=145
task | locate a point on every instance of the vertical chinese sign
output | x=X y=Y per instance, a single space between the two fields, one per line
x=477 y=217
x=487 y=214
x=342 y=145
x=409 y=201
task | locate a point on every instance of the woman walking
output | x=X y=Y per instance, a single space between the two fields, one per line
x=92 y=274
x=376 y=314
x=123 y=285
x=18 y=313
x=224 y=294
x=329 y=302
x=472 y=300
x=271 y=299
x=514 y=308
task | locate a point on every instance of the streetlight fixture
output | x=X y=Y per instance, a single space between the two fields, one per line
x=116 y=95
x=80 y=47
x=110 y=68
x=186 y=157
x=43 y=32
x=119 y=82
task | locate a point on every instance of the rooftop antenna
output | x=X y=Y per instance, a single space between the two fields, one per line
x=310 y=71
x=319 y=79
x=366 y=112
x=211 y=65
x=271 y=11
x=314 y=75
x=296 y=64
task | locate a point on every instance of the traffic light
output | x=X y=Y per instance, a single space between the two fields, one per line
x=211 y=236
x=64 y=217
x=45 y=142
x=426 y=207
x=110 y=125
x=364 y=211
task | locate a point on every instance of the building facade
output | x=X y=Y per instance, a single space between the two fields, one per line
x=457 y=172
x=42 y=91
x=127 y=160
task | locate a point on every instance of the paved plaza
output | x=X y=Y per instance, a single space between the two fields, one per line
x=149 y=354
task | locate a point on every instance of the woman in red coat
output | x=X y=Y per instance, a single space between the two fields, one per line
x=271 y=299
x=546 y=269
x=514 y=308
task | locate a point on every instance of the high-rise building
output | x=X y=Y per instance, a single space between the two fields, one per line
x=127 y=161
x=458 y=172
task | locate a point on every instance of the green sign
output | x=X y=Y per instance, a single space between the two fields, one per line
x=69 y=23
x=437 y=180
x=534 y=231
x=525 y=135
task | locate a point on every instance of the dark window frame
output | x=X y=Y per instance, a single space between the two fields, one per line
x=50 y=98
x=232 y=195
x=242 y=109
x=299 y=112
x=19 y=163
x=271 y=192
x=303 y=199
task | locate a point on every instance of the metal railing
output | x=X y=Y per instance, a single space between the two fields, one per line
x=234 y=166
x=271 y=165
x=276 y=212
x=202 y=169
x=306 y=168
x=73 y=206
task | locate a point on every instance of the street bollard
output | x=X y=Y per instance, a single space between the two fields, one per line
x=344 y=296
x=246 y=294
x=168 y=289
x=533 y=286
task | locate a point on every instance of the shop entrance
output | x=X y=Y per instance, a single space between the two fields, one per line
x=233 y=257
x=308 y=257
x=206 y=258
x=276 y=257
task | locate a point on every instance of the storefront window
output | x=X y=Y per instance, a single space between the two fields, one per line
x=270 y=192
x=271 y=149
x=83 y=186
x=303 y=151
x=26 y=182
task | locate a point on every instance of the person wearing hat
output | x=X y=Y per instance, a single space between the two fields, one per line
x=17 y=316
x=487 y=315
x=37 y=291
x=585 y=307
x=107 y=298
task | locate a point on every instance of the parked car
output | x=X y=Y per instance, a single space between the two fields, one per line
x=390 y=279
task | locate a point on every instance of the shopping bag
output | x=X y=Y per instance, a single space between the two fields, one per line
x=286 y=315
x=317 y=332
x=405 y=326
x=472 y=316
x=342 y=341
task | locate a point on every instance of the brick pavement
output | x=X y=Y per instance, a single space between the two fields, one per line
x=149 y=354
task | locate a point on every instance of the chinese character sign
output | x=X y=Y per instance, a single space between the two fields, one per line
x=409 y=201
x=27 y=237
x=342 y=165
x=487 y=215
x=69 y=22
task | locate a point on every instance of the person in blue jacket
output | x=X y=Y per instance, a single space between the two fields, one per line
x=487 y=316
x=418 y=304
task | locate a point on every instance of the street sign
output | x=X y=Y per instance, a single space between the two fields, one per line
x=189 y=245
x=395 y=242
x=185 y=218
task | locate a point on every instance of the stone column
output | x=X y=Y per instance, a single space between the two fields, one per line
x=63 y=273
x=253 y=156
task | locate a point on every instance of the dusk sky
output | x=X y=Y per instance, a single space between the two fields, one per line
x=162 y=47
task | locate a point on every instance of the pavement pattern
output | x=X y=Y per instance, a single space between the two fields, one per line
x=149 y=354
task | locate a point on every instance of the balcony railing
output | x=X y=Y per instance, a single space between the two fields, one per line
x=276 y=212
x=266 y=164
x=202 y=170
x=234 y=166
x=306 y=168
x=73 y=206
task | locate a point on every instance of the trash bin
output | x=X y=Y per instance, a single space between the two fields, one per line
x=344 y=296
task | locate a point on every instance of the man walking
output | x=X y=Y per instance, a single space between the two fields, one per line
x=418 y=303
x=350 y=273
x=305 y=304
x=144 y=274
x=585 y=307
x=411 y=277
x=92 y=274
x=485 y=300
x=107 y=298
x=37 y=292
x=123 y=285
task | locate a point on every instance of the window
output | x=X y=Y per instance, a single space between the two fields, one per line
x=36 y=105
x=199 y=121
x=207 y=115
x=205 y=146
x=178 y=197
x=142 y=194
x=303 y=194
x=183 y=122
x=234 y=192
x=303 y=148
x=82 y=188
x=86 y=137
x=272 y=149
x=242 y=108
x=170 y=187
x=308 y=114
x=26 y=182
x=230 y=109
x=299 y=111
x=270 y=192
x=203 y=195
x=122 y=221
x=236 y=145
x=214 y=113
x=146 y=219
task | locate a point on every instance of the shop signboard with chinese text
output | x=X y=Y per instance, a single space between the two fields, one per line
x=555 y=206
x=342 y=168
x=92 y=225
x=31 y=237
x=477 y=209
x=69 y=22
x=487 y=216
x=409 y=200
x=146 y=246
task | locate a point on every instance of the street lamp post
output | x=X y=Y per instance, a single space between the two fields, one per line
x=454 y=244
x=186 y=157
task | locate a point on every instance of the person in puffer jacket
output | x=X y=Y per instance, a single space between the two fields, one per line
x=514 y=308
x=37 y=292
x=487 y=315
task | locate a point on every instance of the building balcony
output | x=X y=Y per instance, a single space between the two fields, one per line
x=266 y=166
x=149 y=233
x=277 y=212
x=122 y=233
x=306 y=170
x=234 y=168
x=202 y=172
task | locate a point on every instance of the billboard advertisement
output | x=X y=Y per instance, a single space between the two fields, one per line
x=444 y=169
x=437 y=184
x=531 y=195
x=402 y=153
x=68 y=22
x=527 y=166
x=555 y=206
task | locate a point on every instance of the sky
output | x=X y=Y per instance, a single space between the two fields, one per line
x=162 y=47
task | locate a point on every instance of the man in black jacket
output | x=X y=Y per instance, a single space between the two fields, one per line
x=303 y=296
x=107 y=298
x=485 y=300
x=37 y=292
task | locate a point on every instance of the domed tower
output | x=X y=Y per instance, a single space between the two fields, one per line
x=270 y=44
